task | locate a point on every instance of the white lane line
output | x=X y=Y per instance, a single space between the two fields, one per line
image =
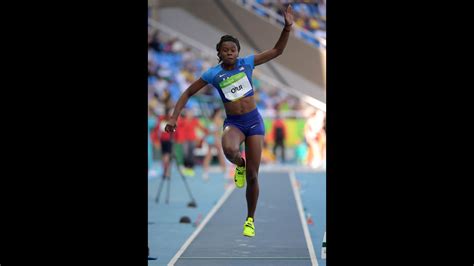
x=307 y=236
x=201 y=225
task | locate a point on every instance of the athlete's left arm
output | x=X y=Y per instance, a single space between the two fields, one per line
x=281 y=43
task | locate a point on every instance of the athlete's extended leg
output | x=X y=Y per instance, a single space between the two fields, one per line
x=253 y=150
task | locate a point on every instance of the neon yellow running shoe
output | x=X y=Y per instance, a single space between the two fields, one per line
x=239 y=176
x=249 y=227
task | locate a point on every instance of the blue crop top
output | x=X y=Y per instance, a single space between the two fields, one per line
x=234 y=84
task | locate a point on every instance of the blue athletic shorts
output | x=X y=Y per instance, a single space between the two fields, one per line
x=250 y=123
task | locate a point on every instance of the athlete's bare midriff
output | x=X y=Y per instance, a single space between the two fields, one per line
x=241 y=106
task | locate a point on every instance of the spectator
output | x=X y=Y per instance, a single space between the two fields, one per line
x=163 y=141
x=189 y=125
x=312 y=129
x=155 y=43
x=213 y=140
x=279 y=136
x=267 y=155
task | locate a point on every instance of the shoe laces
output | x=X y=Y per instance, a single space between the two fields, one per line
x=249 y=224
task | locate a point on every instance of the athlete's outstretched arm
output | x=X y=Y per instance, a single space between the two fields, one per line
x=183 y=99
x=281 y=43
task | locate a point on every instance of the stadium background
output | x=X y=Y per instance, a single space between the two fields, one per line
x=181 y=46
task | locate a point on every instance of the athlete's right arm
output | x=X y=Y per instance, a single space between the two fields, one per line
x=183 y=99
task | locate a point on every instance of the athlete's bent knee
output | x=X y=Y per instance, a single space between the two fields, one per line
x=231 y=153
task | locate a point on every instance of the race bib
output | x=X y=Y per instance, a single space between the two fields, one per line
x=236 y=86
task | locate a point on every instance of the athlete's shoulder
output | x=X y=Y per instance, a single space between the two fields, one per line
x=248 y=60
x=210 y=73
x=215 y=68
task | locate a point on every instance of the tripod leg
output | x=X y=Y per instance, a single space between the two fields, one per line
x=187 y=188
x=168 y=190
x=157 y=199
x=173 y=156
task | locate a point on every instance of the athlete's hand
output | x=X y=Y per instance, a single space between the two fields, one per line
x=288 y=14
x=171 y=126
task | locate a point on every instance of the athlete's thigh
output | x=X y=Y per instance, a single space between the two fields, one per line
x=232 y=137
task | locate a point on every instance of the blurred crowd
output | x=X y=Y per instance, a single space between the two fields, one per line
x=308 y=14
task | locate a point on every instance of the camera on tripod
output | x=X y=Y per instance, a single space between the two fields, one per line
x=167 y=178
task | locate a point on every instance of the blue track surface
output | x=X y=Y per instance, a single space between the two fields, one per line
x=279 y=238
x=167 y=235
x=313 y=197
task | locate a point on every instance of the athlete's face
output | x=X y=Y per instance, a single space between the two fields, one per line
x=229 y=53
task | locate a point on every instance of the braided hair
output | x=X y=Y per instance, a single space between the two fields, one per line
x=227 y=38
